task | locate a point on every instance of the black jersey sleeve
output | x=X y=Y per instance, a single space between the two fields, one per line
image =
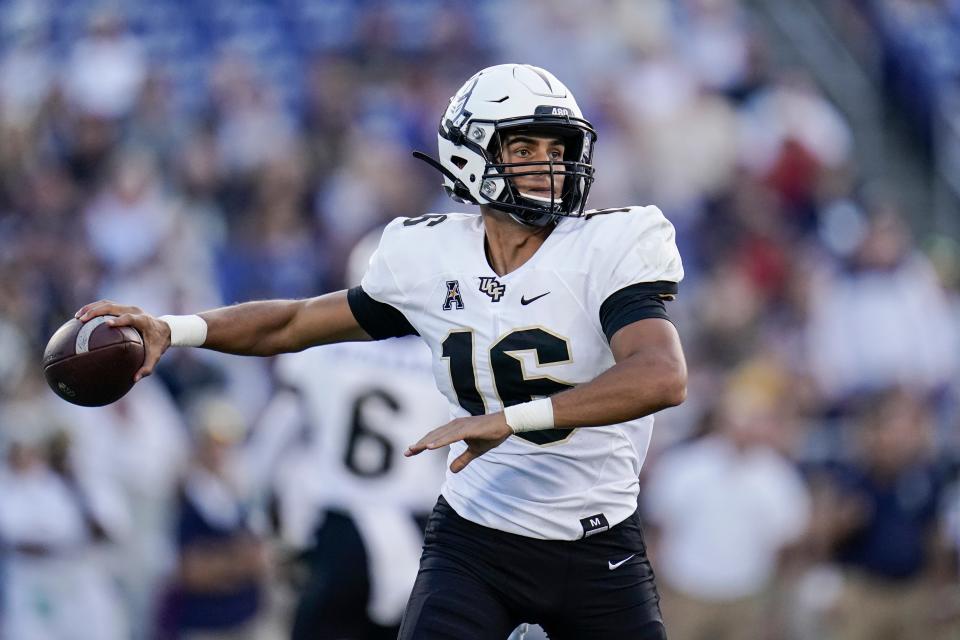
x=378 y=319
x=635 y=302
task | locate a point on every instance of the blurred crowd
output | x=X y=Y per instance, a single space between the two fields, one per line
x=919 y=47
x=180 y=157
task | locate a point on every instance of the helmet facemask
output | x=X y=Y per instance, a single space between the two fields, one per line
x=575 y=168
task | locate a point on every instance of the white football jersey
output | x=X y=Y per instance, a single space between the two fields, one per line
x=362 y=404
x=536 y=331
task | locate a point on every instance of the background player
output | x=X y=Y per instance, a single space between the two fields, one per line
x=348 y=500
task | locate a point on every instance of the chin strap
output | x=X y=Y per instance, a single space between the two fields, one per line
x=541 y=221
x=459 y=189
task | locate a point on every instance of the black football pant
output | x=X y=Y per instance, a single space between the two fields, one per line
x=478 y=583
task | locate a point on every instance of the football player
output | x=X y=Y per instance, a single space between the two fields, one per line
x=348 y=499
x=552 y=344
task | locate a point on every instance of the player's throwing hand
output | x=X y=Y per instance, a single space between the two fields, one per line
x=155 y=332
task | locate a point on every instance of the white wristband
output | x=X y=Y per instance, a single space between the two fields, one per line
x=186 y=331
x=535 y=415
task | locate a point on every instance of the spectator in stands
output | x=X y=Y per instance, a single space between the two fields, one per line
x=881 y=318
x=106 y=68
x=138 y=445
x=218 y=592
x=791 y=136
x=252 y=127
x=54 y=526
x=718 y=47
x=885 y=523
x=129 y=220
x=686 y=135
x=725 y=507
x=26 y=71
x=273 y=250
x=948 y=610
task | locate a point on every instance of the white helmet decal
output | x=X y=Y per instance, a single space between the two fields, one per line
x=456 y=112
x=534 y=78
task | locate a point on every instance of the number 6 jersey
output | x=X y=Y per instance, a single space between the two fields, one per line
x=502 y=340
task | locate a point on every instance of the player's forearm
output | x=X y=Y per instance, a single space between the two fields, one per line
x=250 y=328
x=266 y=328
x=631 y=389
x=634 y=387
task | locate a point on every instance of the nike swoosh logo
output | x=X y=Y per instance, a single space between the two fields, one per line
x=525 y=302
x=614 y=565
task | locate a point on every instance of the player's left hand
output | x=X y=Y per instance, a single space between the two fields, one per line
x=481 y=433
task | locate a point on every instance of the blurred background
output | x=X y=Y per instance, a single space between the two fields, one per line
x=182 y=155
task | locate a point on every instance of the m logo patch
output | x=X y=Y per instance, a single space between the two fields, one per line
x=492 y=287
x=594 y=524
x=453 y=297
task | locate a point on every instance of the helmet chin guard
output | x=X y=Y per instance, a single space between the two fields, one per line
x=512 y=98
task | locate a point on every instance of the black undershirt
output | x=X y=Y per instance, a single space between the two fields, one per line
x=635 y=302
x=379 y=319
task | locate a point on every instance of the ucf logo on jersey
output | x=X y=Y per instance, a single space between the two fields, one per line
x=492 y=287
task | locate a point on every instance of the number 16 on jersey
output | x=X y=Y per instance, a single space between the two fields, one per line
x=512 y=384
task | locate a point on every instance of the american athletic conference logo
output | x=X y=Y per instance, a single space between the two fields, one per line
x=492 y=287
x=453 y=299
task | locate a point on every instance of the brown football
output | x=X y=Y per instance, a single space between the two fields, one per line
x=92 y=364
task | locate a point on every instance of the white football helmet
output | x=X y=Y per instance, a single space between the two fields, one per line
x=510 y=97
